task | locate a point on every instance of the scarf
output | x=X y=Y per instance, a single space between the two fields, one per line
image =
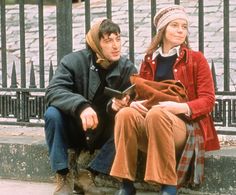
x=190 y=169
x=93 y=41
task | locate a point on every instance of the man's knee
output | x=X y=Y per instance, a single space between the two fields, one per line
x=52 y=114
x=54 y=119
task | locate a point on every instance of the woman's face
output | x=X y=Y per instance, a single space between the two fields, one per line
x=175 y=34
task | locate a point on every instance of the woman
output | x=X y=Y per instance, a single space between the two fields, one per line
x=174 y=145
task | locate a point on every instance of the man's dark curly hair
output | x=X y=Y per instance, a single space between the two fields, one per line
x=108 y=27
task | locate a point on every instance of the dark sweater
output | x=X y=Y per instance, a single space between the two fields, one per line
x=164 y=67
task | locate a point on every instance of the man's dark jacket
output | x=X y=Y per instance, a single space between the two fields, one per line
x=76 y=81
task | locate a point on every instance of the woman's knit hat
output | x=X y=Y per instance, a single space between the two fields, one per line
x=168 y=14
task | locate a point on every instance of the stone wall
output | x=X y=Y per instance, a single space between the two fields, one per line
x=213 y=31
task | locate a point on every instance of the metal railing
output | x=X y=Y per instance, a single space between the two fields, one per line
x=25 y=105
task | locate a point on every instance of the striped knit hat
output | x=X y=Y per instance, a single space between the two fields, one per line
x=168 y=14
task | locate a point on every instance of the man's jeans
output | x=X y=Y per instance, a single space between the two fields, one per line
x=56 y=139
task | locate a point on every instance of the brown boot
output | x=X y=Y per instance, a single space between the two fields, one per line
x=73 y=156
x=64 y=184
x=85 y=180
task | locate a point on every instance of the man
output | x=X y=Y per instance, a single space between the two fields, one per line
x=79 y=115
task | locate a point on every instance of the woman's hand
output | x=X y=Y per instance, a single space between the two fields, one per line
x=138 y=105
x=174 y=107
x=117 y=104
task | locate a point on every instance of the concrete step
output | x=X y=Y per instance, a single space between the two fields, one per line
x=24 y=157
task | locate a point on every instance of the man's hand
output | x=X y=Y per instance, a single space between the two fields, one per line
x=174 y=107
x=89 y=119
x=117 y=104
x=138 y=105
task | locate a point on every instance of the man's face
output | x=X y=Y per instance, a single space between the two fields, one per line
x=111 y=46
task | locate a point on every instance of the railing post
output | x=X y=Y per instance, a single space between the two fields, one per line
x=108 y=5
x=201 y=25
x=131 y=30
x=41 y=44
x=87 y=15
x=226 y=47
x=3 y=43
x=177 y=2
x=64 y=28
x=153 y=12
x=22 y=43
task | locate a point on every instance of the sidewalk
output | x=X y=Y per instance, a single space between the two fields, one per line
x=11 y=187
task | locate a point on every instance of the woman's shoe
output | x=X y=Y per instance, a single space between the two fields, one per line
x=168 y=190
x=127 y=188
x=122 y=191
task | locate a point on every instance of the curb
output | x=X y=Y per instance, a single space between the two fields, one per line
x=26 y=158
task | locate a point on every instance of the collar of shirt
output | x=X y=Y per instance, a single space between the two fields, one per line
x=173 y=51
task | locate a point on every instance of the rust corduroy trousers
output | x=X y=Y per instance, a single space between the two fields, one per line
x=160 y=134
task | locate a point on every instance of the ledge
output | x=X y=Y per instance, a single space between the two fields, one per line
x=24 y=156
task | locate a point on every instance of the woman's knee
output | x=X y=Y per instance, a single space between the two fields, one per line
x=156 y=114
x=125 y=113
x=157 y=121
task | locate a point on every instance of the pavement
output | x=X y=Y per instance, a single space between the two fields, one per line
x=10 y=187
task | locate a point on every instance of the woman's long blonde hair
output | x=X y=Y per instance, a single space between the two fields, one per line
x=157 y=41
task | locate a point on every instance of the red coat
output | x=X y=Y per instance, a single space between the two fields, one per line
x=193 y=70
